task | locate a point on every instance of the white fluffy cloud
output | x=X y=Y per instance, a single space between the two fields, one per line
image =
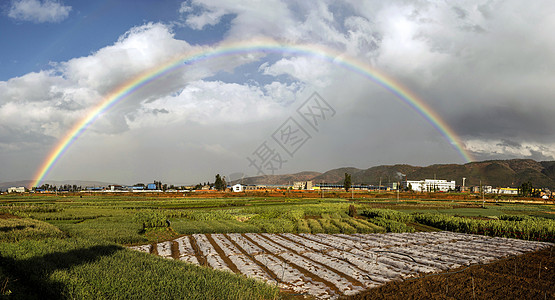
x=140 y=49
x=253 y=18
x=49 y=102
x=39 y=11
x=305 y=69
x=210 y=103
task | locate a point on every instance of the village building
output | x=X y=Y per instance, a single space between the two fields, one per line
x=14 y=189
x=429 y=185
x=302 y=185
x=237 y=188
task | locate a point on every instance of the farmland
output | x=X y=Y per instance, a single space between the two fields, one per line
x=96 y=231
x=326 y=266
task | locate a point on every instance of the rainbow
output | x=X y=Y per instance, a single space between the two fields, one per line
x=247 y=47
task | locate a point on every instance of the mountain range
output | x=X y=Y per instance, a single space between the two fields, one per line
x=497 y=173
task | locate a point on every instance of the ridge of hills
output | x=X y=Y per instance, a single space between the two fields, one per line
x=497 y=173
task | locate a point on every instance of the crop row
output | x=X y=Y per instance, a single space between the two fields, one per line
x=521 y=227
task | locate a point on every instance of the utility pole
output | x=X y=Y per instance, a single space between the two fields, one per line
x=398 y=191
x=483 y=199
x=289 y=189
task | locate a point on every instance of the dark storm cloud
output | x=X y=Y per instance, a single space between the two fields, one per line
x=17 y=139
x=509 y=143
x=540 y=155
x=506 y=122
x=160 y=111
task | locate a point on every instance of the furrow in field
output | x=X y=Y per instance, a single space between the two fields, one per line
x=375 y=270
x=322 y=239
x=245 y=244
x=211 y=255
x=404 y=261
x=223 y=256
x=338 y=265
x=244 y=264
x=329 y=265
x=198 y=254
x=344 y=283
x=175 y=250
x=184 y=246
x=297 y=278
x=482 y=249
x=186 y=251
x=363 y=263
x=451 y=260
x=315 y=246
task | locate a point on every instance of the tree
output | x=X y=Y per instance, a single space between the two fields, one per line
x=347 y=182
x=526 y=189
x=219 y=183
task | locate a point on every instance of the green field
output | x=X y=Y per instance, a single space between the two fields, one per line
x=73 y=247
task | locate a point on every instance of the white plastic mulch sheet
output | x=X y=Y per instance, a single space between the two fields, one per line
x=329 y=265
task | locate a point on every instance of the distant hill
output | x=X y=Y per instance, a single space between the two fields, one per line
x=83 y=183
x=497 y=173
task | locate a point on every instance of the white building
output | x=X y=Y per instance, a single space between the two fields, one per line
x=302 y=185
x=237 y=188
x=430 y=185
x=14 y=189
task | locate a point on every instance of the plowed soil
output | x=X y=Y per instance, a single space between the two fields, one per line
x=7 y=216
x=529 y=276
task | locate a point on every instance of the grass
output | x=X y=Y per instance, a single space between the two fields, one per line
x=17 y=229
x=81 y=269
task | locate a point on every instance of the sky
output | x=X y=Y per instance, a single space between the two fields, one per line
x=484 y=68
